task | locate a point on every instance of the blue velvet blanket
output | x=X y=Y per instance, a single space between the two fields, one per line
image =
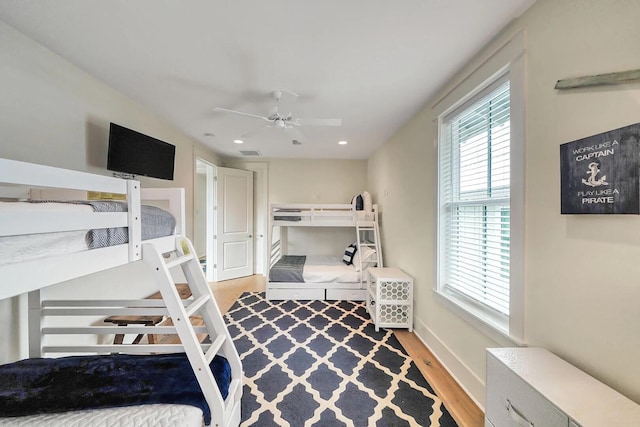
x=35 y=386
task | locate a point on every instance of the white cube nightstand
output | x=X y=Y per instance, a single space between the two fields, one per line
x=390 y=298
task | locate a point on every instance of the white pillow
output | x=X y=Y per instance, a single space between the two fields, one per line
x=368 y=255
x=367 y=202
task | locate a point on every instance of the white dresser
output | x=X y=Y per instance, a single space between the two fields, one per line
x=531 y=387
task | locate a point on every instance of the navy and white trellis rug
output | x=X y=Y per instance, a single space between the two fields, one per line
x=321 y=363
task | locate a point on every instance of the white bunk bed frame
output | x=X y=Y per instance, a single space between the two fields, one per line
x=322 y=215
x=30 y=276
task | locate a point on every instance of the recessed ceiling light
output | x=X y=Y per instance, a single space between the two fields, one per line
x=342 y=142
x=238 y=141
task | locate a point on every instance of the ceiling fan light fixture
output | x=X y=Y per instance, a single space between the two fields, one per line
x=282 y=116
x=238 y=141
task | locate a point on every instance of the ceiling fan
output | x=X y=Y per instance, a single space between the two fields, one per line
x=283 y=118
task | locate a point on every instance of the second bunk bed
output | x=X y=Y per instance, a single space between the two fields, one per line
x=338 y=276
x=100 y=383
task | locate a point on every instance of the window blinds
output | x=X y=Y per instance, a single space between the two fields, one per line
x=474 y=195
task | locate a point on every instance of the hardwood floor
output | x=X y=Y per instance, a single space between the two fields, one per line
x=458 y=403
x=229 y=291
x=462 y=408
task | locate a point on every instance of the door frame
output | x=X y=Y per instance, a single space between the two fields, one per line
x=260 y=214
x=210 y=202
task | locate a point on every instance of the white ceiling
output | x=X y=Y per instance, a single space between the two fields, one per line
x=373 y=63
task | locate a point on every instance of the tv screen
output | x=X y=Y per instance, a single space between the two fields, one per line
x=134 y=153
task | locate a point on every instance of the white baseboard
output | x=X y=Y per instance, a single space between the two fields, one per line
x=470 y=383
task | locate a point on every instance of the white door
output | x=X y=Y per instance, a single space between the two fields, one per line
x=234 y=224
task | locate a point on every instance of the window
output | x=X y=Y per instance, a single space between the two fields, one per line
x=475 y=212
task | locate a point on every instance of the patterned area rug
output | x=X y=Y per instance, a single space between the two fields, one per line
x=321 y=363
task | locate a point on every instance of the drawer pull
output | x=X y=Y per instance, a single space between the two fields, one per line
x=517 y=417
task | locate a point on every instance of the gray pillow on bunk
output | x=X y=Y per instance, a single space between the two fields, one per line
x=349 y=253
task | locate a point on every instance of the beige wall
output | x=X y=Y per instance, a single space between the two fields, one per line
x=314 y=181
x=53 y=113
x=582 y=291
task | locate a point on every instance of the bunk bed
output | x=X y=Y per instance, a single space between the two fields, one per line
x=191 y=383
x=313 y=277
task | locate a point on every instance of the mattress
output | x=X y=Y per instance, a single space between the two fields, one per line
x=328 y=269
x=131 y=416
x=155 y=223
x=316 y=269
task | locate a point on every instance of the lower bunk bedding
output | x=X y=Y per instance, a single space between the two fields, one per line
x=313 y=269
x=305 y=277
x=39 y=390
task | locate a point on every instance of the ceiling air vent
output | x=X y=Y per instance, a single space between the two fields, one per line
x=249 y=152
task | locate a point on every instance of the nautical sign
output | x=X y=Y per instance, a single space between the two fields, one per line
x=600 y=174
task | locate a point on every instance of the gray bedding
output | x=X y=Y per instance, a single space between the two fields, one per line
x=288 y=269
x=156 y=223
x=287 y=217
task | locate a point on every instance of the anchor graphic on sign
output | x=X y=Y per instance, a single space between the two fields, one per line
x=592 y=181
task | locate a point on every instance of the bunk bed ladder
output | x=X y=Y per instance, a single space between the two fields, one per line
x=203 y=304
x=368 y=235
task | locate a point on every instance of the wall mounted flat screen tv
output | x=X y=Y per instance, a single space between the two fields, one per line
x=134 y=153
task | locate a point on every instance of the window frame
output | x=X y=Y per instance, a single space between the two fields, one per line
x=508 y=60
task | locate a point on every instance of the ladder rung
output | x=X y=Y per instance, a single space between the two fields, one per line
x=180 y=260
x=107 y=311
x=97 y=330
x=213 y=350
x=197 y=304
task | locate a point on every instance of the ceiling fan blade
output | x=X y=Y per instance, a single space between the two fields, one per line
x=286 y=101
x=318 y=122
x=242 y=113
